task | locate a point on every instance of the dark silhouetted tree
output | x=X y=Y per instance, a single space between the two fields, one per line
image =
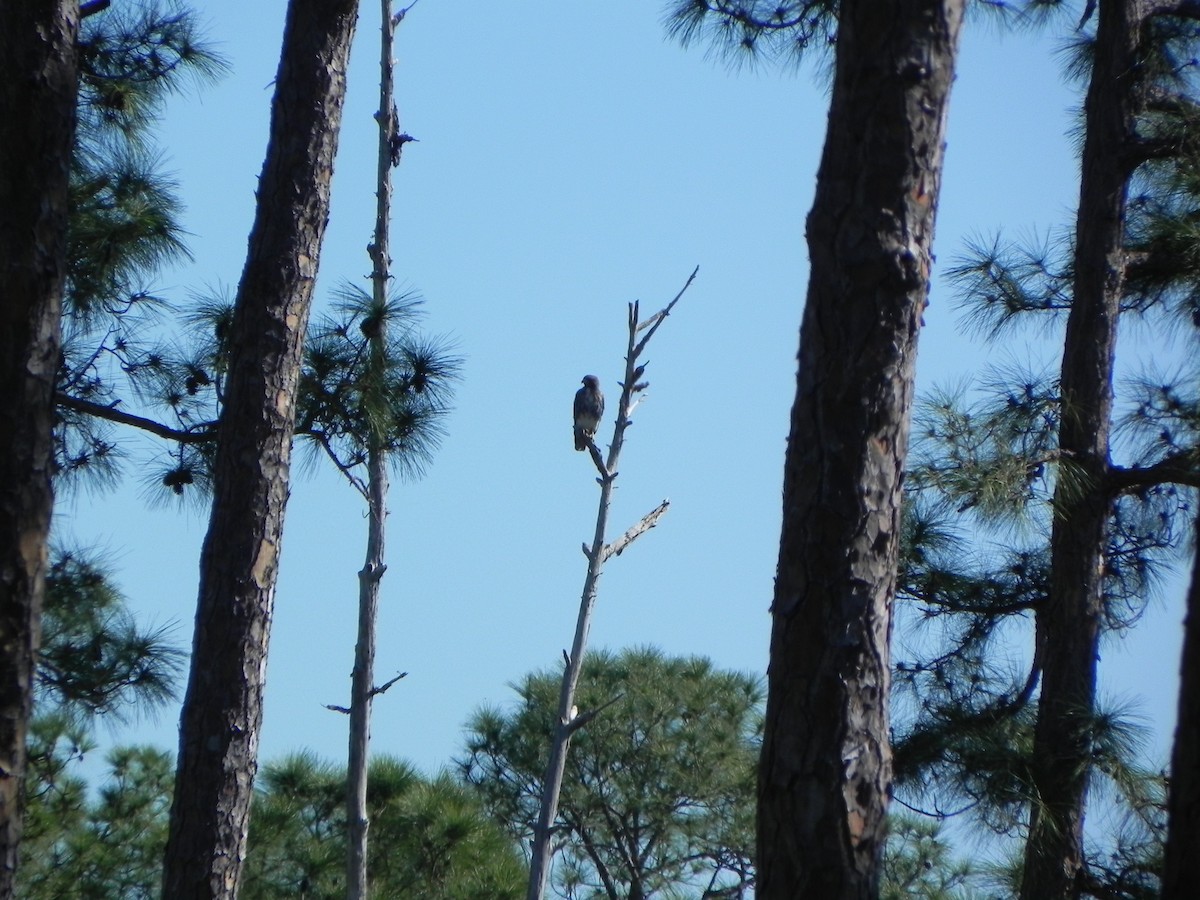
x=38 y=77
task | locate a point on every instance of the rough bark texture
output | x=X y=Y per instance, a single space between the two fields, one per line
x=1182 y=870
x=222 y=711
x=825 y=772
x=362 y=679
x=37 y=109
x=1068 y=627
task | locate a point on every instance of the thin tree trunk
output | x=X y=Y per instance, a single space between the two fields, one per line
x=1068 y=627
x=222 y=710
x=568 y=718
x=38 y=90
x=1182 y=870
x=825 y=770
x=362 y=684
x=542 y=852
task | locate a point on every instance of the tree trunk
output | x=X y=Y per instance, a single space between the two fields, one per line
x=222 y=710
x=541 y=851
x=1068 y=627
x=825 y=771
x=1182 y=870
x=38 y=91
x=362 y=679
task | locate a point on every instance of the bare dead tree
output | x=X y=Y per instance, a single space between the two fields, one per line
x=362 y=687
x=570 y=719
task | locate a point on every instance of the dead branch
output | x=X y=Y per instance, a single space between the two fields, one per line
x=376 y=691
x=648 y=521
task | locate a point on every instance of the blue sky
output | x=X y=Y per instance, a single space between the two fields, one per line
x=571 y=160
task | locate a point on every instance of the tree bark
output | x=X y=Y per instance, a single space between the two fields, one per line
x=362 y=679
x=1068 y=626
x=1181 y=872
x=38 y=88
x=222 y=710
x=825 y=771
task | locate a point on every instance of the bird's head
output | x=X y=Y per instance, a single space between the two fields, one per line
x=591 y=381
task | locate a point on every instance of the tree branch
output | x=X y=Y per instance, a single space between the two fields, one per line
x=207 y=430
x=1182 y=9
x=648 y=521
x=1179 y=468
x=582 y=719
x=657 y=319
x=376 y=691
x=91 y=7
x=322 y=440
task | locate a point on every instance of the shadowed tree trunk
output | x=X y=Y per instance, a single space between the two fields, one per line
x=37 y=108
x=824 y=776
x=1068 y=627
x=222 y=710
x=1182 y=870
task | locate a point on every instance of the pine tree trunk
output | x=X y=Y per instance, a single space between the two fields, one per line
x=362 y=681
x=1068 y=627
x=38 y=89
x=825 y=771
x=1182 y=870
x=222 y=710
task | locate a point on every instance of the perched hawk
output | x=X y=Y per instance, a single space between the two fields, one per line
x=589 y=407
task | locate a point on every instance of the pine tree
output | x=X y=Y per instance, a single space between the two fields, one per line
x=38 y=74
x=1008 y=486
x=222 y=709
x=825 y=774
x=657 y=791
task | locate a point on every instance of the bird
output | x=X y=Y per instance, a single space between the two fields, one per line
x=589 y=407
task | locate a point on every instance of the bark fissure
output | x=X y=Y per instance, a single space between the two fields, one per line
x=38 y=90
x=222 y=710
x=824 y=776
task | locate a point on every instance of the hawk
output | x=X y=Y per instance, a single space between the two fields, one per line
x=589 y=407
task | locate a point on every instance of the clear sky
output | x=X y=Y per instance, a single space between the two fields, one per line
x=570 y=160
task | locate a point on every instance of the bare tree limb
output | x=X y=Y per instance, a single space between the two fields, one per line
x=380 y=689
x=648 y=521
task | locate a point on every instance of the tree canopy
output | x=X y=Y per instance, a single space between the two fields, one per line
x=655 y=795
